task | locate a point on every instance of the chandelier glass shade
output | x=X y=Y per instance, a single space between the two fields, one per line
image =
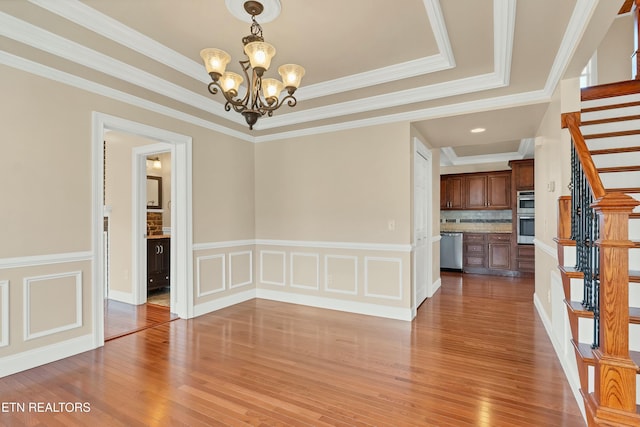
x=262 y=95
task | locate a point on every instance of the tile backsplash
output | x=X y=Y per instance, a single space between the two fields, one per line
x=498 y=221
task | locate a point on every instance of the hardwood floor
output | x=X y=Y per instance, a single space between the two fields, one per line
x=122 y=319
x=476 y=355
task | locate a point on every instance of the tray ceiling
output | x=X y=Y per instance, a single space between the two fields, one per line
x=444 y=65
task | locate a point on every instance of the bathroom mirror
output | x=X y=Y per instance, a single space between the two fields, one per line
x=154 y=192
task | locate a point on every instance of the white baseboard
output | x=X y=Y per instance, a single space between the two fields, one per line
x=32 y=358
x=125 y=297
x=435 y=286
x=217 y=304
x=574 y=381
x=397 y=313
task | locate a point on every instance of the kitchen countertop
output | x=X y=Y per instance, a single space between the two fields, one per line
x=474 y=227
x=159 y=236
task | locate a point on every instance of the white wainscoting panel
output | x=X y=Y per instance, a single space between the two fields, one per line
x=273 y=267
x=244 y=272
x=379 y=273
x=4 y=313
x=210 y=270
x=34 y=281
x=341 y=274
x=306 y=262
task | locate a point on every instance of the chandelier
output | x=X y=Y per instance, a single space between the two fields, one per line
x=253 y=104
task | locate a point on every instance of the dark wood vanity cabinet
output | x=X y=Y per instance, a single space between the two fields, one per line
x=158 y=263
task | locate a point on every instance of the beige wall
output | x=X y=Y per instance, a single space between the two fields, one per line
x=552 y=177
x=47 y=208
x=324 y=205
x=614 y=52
x=344 y=186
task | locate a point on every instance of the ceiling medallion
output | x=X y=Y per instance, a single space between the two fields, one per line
x=263 y=95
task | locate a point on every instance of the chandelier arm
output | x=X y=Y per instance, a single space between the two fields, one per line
x=213 y=88
x=270 y=108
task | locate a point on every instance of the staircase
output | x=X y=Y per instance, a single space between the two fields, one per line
x=599 y=251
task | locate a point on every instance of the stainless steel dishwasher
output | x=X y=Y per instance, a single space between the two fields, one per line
x=451 y=251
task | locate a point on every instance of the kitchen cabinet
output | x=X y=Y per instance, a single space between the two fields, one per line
x=523 y=174
x=525 y=258
x=499 y=252
x=523 y=179
x=487 y=253
x=487 y=190
x=474 y=254
x=476 y=191
x=451 y=192
x=158 y=262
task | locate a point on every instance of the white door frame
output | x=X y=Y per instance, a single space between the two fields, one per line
x=182 y=239
x=419 y=149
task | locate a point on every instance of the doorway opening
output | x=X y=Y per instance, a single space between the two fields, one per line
x=121 y=275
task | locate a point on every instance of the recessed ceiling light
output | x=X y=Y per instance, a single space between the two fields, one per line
x=478 y=130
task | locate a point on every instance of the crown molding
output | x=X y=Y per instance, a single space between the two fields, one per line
x=504 y=15
x=416 y=67
x=106 y=26
x=582 y=11
x=450 y=158
x=38 y=38
x=408 y=96
x=514 y=100
x=503 y=30
x=578 y=23
x=89 y=18
x=80 y=83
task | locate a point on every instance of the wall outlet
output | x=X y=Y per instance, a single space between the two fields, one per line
x=329 y=279
x=551 y=186
x=391 y=225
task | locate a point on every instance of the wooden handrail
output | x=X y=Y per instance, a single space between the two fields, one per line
x=571 y=121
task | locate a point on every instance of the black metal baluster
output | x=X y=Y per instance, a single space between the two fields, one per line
x=585 y=232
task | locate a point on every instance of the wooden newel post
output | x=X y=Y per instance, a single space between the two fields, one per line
x=615 y=372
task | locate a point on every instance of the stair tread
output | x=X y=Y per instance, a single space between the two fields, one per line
x=614 y=169
x=586 y=354
x=623 y=190
x=610 y=120
x=612 y=134
x=634 y=276
x=614 y=150
x=577 y=308
x=610 y=107
x=565 y=242
x=571 y=272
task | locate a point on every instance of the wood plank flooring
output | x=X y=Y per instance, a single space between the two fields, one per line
x=476 y=355
x=123 y=319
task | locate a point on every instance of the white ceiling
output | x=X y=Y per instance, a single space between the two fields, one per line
x=445 y=65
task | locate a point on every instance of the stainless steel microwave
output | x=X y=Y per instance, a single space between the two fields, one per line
x=526 y=202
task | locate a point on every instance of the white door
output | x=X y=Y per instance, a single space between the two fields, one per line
x=422 y=218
